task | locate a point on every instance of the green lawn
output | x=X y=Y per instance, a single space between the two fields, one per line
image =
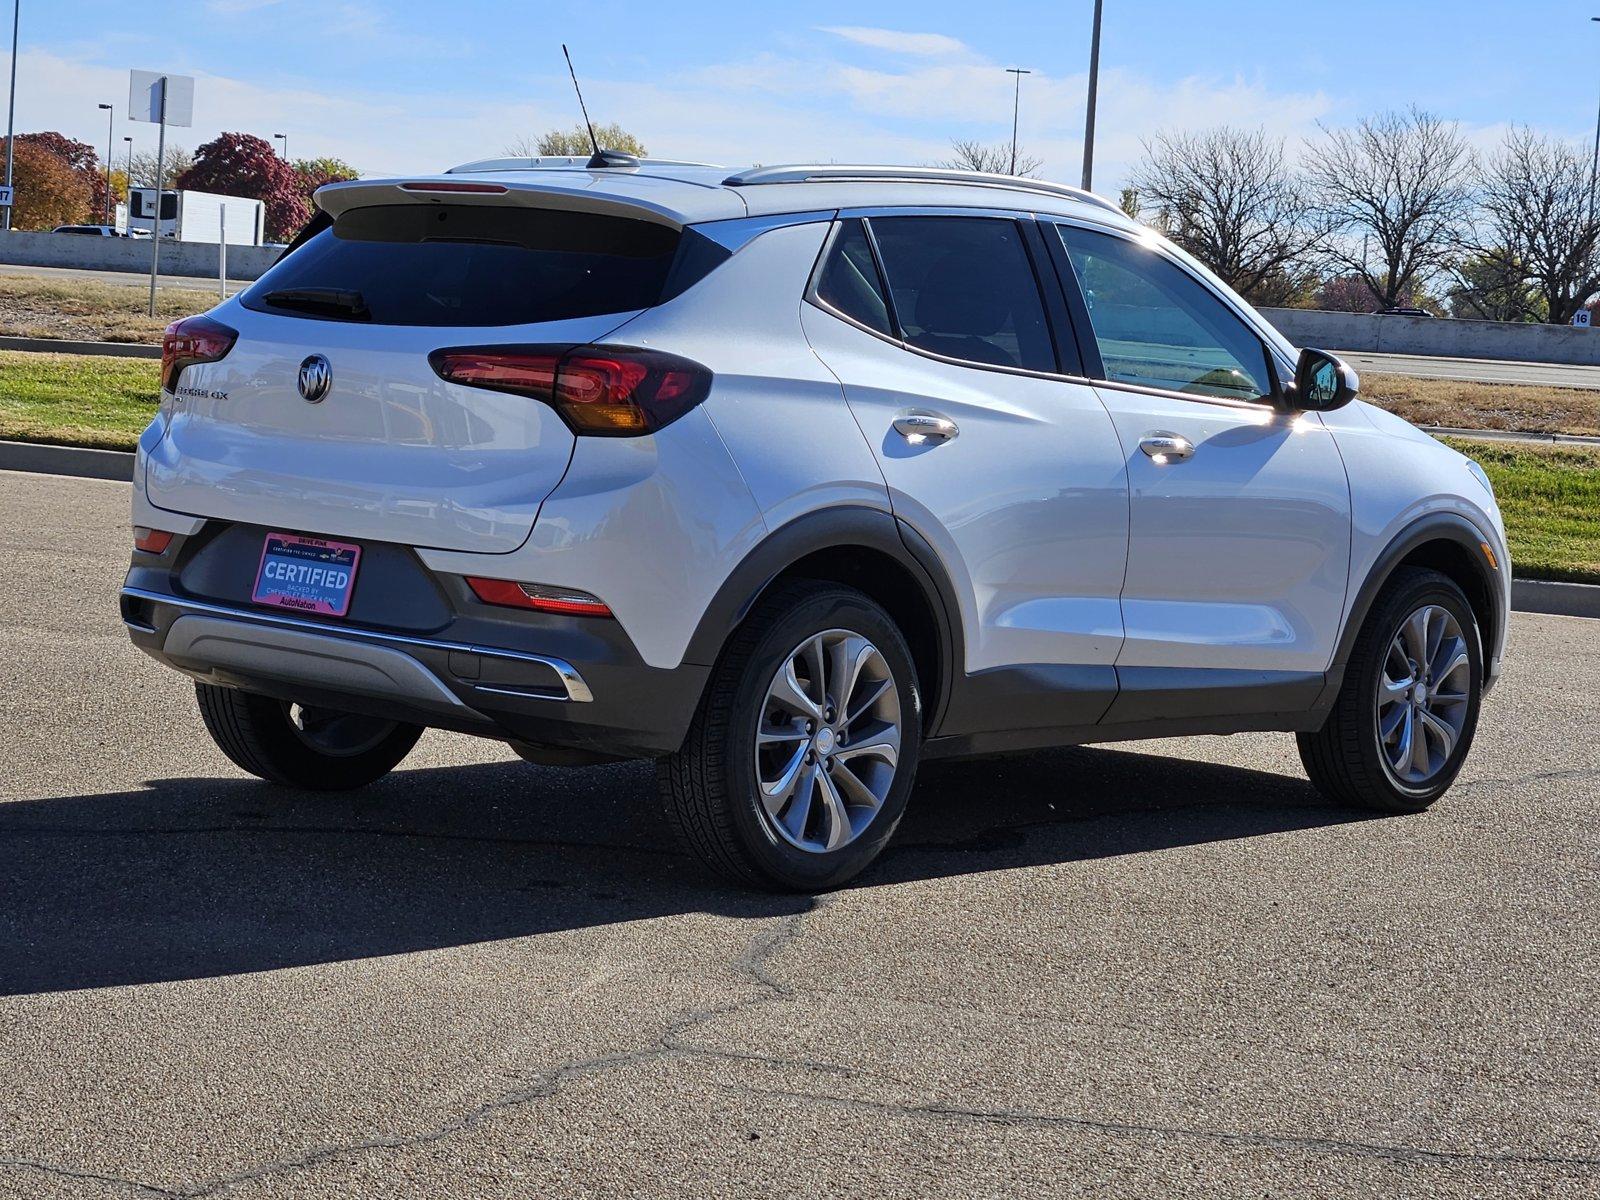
x=1550 y=498
x=76 y=399
x=1550 y=494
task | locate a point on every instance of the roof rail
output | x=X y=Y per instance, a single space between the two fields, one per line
x=567 y=162
x=814 y=173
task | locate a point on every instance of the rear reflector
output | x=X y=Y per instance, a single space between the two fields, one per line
x=537 y=596
x=151 y=541
x=602 y=391
x=492 y=189
x=193 y=340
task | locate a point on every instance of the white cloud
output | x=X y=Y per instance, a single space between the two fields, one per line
x=920 y=45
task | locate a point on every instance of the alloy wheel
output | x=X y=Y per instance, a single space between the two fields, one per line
x=828 y=741
x=1423 y=695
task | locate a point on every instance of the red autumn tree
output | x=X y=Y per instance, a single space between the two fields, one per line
x=49 y=191
x=83 y=160
x=240 y=164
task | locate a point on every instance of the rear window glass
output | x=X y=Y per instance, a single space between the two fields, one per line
x=442 y=264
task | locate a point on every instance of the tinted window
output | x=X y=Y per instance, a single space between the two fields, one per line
x=849 y=281
x=427 y=264
x=1158 y=326
x=964 y=287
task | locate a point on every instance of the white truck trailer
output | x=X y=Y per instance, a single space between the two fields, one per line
x=197 y=216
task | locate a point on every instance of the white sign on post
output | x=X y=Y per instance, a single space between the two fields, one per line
x=6 y=196
x=1581 y=317
x=144 y=98
x=165 y=100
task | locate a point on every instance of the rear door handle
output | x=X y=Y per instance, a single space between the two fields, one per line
x=1166 y=447
x=919 y=426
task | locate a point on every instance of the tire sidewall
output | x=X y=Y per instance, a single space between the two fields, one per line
x=780 y=862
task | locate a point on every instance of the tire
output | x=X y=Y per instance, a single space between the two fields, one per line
x=318 y=750
x=1350 y=760
x=824 y=830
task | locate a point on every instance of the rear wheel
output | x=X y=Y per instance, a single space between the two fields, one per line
x=318 y=749
x=797 y=766
x=1408 y=707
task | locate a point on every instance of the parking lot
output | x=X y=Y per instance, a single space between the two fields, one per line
x=1133 y=971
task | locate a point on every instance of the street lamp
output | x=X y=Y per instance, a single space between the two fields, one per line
x=284 y=138
x=1594 y=168
x=1094 y=88
x=128 y=180
x=111 y=141
x=1016 y=101
x=11 y=106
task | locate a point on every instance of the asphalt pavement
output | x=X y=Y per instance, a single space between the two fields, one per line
x=1477 y=370
x=1150 y=970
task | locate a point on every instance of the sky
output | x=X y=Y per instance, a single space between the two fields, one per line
x=404 y=86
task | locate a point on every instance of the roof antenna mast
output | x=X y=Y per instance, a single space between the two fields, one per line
x=599 y=159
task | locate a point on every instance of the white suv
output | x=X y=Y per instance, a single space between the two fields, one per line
x=790 y=478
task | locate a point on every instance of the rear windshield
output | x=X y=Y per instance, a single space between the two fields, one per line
x=428 y=264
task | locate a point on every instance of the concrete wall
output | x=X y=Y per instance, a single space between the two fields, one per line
x=1439 y=337
x=187 y=259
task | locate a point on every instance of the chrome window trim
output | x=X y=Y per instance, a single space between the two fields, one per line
x=577 y=689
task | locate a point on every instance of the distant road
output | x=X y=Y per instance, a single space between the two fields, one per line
x=1476 y=370
x=167 y=281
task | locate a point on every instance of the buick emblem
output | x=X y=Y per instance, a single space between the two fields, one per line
x=316 y=376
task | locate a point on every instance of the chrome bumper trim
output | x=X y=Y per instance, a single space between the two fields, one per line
x=577 y=690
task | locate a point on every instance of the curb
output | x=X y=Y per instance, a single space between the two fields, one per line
x=1559 y=599
x=1527 y=595
x=55 y=346
x=79 y=461
x=1511 y=435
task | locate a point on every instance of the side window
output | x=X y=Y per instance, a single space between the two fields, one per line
x=964 y=287
x=1159 y=327
x=849 y=281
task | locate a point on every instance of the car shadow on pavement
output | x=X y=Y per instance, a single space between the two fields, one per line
x=193 y=878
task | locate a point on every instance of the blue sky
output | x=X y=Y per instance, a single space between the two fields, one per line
x=402 y=86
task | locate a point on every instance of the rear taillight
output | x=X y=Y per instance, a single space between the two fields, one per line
x=604 y=391
x=538 y=596
x=151 y=541
x=193 y=340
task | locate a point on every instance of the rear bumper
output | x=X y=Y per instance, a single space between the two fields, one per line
x=611 y=705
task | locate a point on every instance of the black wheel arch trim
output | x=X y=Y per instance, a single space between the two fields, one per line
x=1433 y=527
x=839 y=528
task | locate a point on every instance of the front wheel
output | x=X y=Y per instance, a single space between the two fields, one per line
x=1408 y=707
x=318 y=749
x=798 y=763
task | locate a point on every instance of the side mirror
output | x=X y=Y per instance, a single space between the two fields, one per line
x=1322 y=382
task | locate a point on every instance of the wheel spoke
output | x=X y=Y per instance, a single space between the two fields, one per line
x=800 y=811
x=776 y=793
x=852 y=788
x=787 y=691
x=870 y=695
x=1450 y=658
x=839 y=830
x=1401 y=757
x=1389 y=722
x=1441 y=730
x=845 y=659
x=1416 y=635
x=817 y=668
x=773 y=735
x=882 y=743
x=1395 y=688
x=1419 y=747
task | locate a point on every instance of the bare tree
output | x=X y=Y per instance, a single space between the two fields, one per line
x=1229 y=198
x=993 y=160
x=1397 y=187
x=1537 y=224
x=575 y=141
x=174 y=162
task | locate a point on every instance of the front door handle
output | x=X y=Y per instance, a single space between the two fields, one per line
x=1166 y=447
x=917 y=427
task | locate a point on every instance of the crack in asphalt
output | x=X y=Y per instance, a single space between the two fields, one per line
x=751 y=965
x=1276 y=1141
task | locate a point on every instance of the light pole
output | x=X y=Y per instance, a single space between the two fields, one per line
x=11 y=107
x=284 y=138
x=111 y=141
x=1094 y=88
x=1016 y=102
x=1594 y=168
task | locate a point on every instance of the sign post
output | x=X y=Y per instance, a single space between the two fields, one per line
x=162 y=100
